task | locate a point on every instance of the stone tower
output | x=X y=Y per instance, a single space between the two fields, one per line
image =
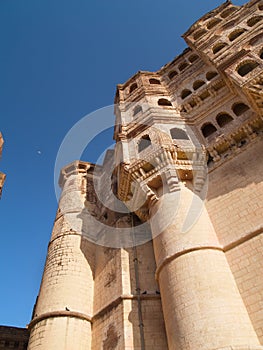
x=188 y=166
x=2 y=175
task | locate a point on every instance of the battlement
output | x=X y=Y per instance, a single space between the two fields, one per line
x=76 y=167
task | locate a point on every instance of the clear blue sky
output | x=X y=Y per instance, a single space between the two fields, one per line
x=60 y=60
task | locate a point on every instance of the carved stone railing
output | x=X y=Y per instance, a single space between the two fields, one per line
x=198 y=98
x=225 y=145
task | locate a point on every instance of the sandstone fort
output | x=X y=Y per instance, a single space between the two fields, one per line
x=161 y=246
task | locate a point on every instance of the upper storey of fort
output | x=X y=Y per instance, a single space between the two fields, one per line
x=227 y=31
x=214 y=86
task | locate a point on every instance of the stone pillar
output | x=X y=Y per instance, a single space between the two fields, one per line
x=62 y=317
x=201 y=303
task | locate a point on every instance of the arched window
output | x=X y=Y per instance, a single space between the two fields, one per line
x=199 y=33
x=172 y=74
x=137 y=109
x=246 y=67
x=210 y=75
x=260 y=6
x=223 y=119
x=133 y=87
x=193 y=58
x=178 y=134
x=229 y=25
x=185 y=93
x=213 y=23
x=154 y=81
x=204 y=95
x=144 y=142
x=197 y=84
x=182 y=66
x=218 y=47
x=235 y=34
x=256 y=40
x=164 y=102
x=227 y=12
x=254 y=20
x=208 y=129
x=239 y=108
x=261 y=53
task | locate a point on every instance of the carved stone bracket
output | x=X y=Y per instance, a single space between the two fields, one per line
x=172 y=179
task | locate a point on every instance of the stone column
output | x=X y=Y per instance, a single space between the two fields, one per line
x=201 y=303
x=62 y=318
